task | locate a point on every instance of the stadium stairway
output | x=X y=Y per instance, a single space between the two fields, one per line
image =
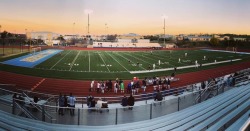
x=219 y=109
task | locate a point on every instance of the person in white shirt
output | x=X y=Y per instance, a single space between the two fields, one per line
x=98 y=86
x=116 y=87
x=71 y=102
x=92 y=85
x=196 y=64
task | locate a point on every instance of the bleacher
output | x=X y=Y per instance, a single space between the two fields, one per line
x=236 y=125
x=213 y=114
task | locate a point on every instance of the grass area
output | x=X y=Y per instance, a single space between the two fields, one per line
x=87 y=65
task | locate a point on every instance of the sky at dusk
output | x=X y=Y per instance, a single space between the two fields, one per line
x=126 y=16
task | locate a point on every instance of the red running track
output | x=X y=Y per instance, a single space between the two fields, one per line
x=80 y=88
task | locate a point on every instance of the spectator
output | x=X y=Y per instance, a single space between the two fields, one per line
x=122 y=87
x=92 y=103
x=65 y=102
x=116 y=86
x=168 y=84
x=129 y=87
x=61 y=104
x=98 y=86
x=110 y=85
x=203 y=85
x=120 y=84
x=160 y=84
x=137 y=86
x=131 y=102
x=158 y=96
x=14 y=96
x=72 y=101
x=89 y=99
x=133 y=89
x=35 y=99
x=102 y=87
x=124 y=101
x=92 y=85
x=144 y=85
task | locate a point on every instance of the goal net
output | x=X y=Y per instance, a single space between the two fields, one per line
x=36 y=50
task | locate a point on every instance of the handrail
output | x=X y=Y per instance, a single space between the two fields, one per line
x=38 y=107
x=203 y=92
x=34 y=92
x=25 y=111
x=219 y=84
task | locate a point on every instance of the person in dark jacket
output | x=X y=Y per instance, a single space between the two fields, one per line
x=124 y=101
x=61 y=104
x=158 y=96
x=131 y=101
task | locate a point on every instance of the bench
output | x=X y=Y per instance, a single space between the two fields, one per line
x=236 y=125
x=200 y=116
x=220 y=114
x=179 y=116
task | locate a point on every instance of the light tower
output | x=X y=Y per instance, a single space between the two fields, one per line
x=88 y=12
x=164 y=27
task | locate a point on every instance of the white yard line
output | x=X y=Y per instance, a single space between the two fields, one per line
x=117 y=61
x=59 y=61
x=104 y=62
x=129 y=60
x=73 y=62
x=89 y=61
x=140 y=59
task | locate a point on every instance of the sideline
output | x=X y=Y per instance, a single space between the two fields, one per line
x=182 y=67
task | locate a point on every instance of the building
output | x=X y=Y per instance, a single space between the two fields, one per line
x=46 y=36
x=239 y=39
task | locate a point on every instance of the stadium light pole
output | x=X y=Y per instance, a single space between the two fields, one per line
x=0 y=30
x=164 y=17
x=74 y=36
x=88 y=12
x=106 y=30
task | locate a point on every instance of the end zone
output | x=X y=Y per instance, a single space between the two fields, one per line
x=32 y=60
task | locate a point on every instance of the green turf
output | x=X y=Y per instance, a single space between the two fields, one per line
x=76 y=64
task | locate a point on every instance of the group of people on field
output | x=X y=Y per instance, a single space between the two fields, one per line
x=117 y=86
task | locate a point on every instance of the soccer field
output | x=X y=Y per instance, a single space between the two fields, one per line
x=77 y=64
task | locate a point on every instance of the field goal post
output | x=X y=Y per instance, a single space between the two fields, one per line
x=36 y=49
